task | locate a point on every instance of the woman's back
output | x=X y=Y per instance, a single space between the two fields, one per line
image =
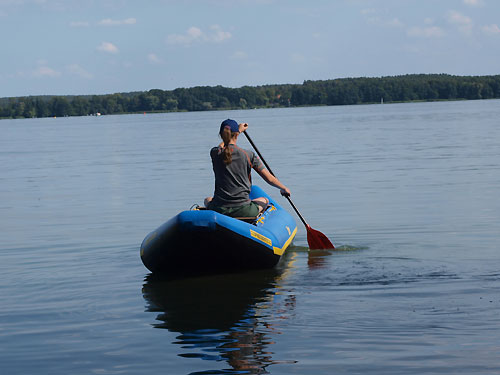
x=233 y=181
x=232 y=168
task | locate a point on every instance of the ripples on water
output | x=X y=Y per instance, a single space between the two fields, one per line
x=408 y=194
x=388 y=314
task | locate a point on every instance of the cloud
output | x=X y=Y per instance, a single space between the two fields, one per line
x=45 y=71
x=77 y=70
x=491 y=29
x=372 y=16
x=192 y=34
x=368 y=11
x=458 y=18
x=425 y=32
x=239 y=55
x=474 y=3
x=218 y=35
x=79 y=24
x=463 y=23
x=108 y=47
x=111 y=22
x=154 y=59
x=105 y=22
x=196 y=35
x=395 y=22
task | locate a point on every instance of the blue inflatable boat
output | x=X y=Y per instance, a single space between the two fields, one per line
x=202 y=240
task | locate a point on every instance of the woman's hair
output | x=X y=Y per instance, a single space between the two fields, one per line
x=226 y=136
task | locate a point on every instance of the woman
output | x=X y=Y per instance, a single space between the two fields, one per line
x=232 y=168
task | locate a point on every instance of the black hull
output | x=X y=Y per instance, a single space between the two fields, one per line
x=205 y=252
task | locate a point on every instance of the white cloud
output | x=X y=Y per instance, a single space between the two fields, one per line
x=368 y=11
x=425 y=32
x=79 y=24
x=192 y=34
x=395 y=22
x=458 y=18
x=108 y=47
x=218 y=35
x=154 y=59
x=77 y=70
x=111 y=22
x=195 y=34
x=371 y=16
x=45 y=71
x=105 y=22
x=491 y=29
x=463 y=23
x=239 y=55
x=474 y=3
x=374 y=17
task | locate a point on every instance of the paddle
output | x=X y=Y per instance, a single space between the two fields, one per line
x=315 y=239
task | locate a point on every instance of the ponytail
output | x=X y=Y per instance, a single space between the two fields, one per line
x=226 y=136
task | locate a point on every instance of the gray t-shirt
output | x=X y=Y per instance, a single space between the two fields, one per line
x=233 y=181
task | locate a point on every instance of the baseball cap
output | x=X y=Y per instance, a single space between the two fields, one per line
x=231 y=124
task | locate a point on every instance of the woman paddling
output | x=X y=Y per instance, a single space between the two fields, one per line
x=232 y=168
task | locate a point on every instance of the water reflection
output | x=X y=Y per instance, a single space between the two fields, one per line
x=318 y=258
x=224 y=318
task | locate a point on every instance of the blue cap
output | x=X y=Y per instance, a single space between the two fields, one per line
x=231 y=124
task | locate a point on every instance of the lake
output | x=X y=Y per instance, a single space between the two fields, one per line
x=409 y=194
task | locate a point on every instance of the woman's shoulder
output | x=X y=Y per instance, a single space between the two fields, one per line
x=244 y=150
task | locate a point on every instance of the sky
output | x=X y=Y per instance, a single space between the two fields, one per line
x=82 y=47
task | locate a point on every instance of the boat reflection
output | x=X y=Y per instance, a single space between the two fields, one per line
x=227 y=318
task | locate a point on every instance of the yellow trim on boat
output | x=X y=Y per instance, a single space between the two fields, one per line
x=280 y=251
x=260 y=237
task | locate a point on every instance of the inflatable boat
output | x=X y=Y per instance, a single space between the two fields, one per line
x=200 y=240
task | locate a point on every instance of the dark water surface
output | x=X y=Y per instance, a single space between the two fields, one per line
x=409 y=193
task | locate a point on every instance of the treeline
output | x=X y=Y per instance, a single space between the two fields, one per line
x=346 y=91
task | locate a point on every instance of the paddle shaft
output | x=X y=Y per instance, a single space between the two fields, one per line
x=270 y=171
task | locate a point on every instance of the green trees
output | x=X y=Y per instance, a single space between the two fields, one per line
x=416 y=87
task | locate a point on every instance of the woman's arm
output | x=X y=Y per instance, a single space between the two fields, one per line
x=273 y=181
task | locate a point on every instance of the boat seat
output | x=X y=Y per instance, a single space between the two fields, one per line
x=196 y=207
x=247 y=219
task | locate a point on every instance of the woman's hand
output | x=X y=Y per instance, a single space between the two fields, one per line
x=243 y=127
x=285 y=192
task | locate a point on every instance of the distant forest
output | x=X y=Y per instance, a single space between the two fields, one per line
x=345 y=91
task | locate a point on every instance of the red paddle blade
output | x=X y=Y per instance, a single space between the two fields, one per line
x=317 y=240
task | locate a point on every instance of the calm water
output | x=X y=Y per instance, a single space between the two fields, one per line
x=409 y=193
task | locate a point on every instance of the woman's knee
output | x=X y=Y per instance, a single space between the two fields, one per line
x=207 y=201
x=262 y=202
